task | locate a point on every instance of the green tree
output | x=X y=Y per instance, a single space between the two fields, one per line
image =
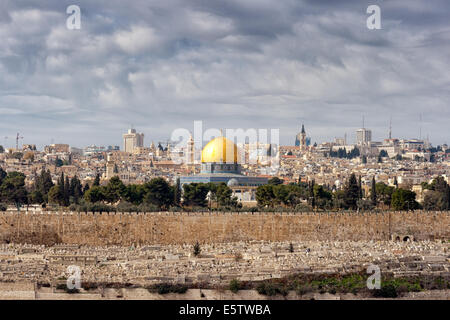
x=323 y=197
x=159 y=193
x=134 y=193
x=223 y=195
x=384 y=193
x=61 y=181
x=403 y=199
x=2 y=149
x=296 y=193
x=439 y=197
x=94 y=194
x=435 y=201
x=3 y=175
x=360 y=189
x=312 y=199
x=339 y=199
x=66 y=191
x=59 y=163
x=55 y=195
x=96 y=180
x=43 y=183
x=36 y=197
x=265 y=196
x=196 y=249
x=383 y=154
x=352 y=193
x=17 y=155
x=85 y=188
x=275 y=181
x=234 y=286
x=114 y=190
x=281 y=194
x=177 y=193
x=13 y=190
x=75 y=190
x=373 y=193
x=194 y=194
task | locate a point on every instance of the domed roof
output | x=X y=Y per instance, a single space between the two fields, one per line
x=233 y=182
x=220 y=150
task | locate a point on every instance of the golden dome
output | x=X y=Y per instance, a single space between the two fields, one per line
x=220 y=150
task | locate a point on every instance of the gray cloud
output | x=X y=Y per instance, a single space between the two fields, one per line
x=250 y=64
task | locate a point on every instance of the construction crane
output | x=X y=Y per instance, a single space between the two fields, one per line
x=17 y=141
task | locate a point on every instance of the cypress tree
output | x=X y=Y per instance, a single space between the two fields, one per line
x=85 y=188
x=96 y=180
x=360 y=188
x=351 y=195
x=311 y=194
x=373 y=193
x=75 y=189
x=66 y=191
x=62 y=192
x=177 y=193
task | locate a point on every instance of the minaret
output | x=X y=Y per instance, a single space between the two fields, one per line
x=190 y=150
x=110 y=167
x=168 y=151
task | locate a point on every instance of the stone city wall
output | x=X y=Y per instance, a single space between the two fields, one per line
x=181 y=227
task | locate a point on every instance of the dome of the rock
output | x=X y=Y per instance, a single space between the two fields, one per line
x=220 y=150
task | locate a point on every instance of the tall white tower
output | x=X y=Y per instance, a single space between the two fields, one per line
x=132 y=140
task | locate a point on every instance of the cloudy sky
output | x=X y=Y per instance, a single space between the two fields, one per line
x=160 y=65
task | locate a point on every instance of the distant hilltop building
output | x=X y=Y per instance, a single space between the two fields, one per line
x=132 y=140
x=301 y=140
x=93 y=149
x=57 y=148
x=363 y=137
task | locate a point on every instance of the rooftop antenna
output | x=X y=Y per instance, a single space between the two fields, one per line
x=420 y=126
x=17 y=140
x=345 y=138
x=390 y=128
x=363 y=122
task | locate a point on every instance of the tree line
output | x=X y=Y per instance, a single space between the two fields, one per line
x=158 y=194
x=311 y=196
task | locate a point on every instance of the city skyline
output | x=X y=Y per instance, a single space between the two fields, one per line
x=219 y=63
x=349 y=136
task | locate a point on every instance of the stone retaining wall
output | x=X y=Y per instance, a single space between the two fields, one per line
x=183 y=227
